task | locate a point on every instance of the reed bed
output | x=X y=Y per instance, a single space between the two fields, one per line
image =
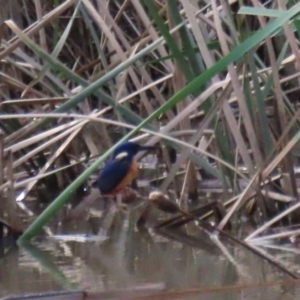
x=215 y=81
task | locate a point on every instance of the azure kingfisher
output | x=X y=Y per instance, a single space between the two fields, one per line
x=121 y=169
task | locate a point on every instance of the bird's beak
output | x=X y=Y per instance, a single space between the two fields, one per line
x=145 y=148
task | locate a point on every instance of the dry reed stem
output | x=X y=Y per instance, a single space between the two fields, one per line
x=265 y=238
x=52 y=159
x=42 y=32
x=239 y=94
x=157 y=135
x=32 y=29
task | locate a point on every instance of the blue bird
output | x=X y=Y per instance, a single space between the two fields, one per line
x=121 y=169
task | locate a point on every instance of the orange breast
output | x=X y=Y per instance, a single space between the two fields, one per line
x=131 y=175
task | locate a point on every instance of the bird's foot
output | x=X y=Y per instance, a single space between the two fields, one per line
x=119 y=203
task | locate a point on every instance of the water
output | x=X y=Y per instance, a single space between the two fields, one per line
x=179 y=264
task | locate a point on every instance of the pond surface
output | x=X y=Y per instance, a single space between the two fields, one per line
x=184 y=263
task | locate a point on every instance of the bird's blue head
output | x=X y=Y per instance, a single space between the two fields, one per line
x=129 y=150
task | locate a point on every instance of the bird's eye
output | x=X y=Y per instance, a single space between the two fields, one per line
x=121 y=155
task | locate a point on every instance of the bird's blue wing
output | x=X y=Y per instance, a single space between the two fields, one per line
x=112 y=174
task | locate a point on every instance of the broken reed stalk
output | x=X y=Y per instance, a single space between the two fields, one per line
x=248 y=247
x=279 y=235
x=186 y=217
x=206 y=211
x=255 y=251
x=207 y=226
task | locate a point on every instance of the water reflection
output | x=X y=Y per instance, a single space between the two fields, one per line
x=179 y=264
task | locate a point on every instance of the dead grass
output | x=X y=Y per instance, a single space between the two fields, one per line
x=251 y=107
